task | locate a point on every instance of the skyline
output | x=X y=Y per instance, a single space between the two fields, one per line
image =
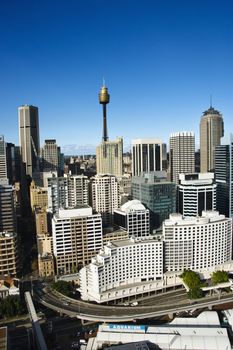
x=161 y=60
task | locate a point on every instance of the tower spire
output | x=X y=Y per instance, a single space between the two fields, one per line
x=210 y=100
x=104 y=98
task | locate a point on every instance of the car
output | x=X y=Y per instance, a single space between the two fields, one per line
x=65 y=302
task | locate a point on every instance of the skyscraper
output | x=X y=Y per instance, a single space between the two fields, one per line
x=211 y=131
x=182 y=154
x=29 y=137
x=109 y=154
x=3 y=161
x=105 y=196
x=50 y=155
x=146 y=156
x=224 y=176
x=196 y=192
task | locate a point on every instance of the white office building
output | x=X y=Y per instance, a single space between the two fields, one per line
x=197 y=242
x=78 y=190
x=123 y=268
x=146 y=156
x=196 y=192
x=182 y=154
x=77 y=237
x=134 y=218
x=105 y=196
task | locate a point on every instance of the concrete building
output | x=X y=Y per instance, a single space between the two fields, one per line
x=211 y=131
x=57 y=193
x=38 y=196
x=224 y=176
x=51 y=157
x=123 y=268
x=134 y=218
x=77 y=237
x=7 y=210
x=41 y=221
x=109 y=157
x=196 y=192
x=182 y=154
x=29 y=141
x=9 y=261
x=45 y=255
x=157 y=194
x=197 y=242
x=3 y=160
x=105 y=196
x=125 y=184
x=146 y=156
x=78 y=190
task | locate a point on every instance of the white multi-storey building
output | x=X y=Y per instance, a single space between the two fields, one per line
x=109 y=157
x=197 y=242
x=134 y=218
x=146 y=156
x=78 y=190
x=182 y=154
x=57 y=193
x=77 y=237
x=105 y=196
x=196 y=192
x=121 y=264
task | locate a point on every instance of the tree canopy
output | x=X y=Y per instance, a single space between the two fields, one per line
x=62 y=287
x=219 y=277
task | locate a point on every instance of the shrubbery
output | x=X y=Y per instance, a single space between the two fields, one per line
x=11 y=306
x=62 y=287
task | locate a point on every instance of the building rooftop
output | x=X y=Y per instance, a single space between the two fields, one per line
x=208 y=216
x=132 y=206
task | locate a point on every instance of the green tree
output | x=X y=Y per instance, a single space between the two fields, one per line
x=219 y=277
x=195 y=293
x=11 y=306
x=191 y=279
x=62 y=287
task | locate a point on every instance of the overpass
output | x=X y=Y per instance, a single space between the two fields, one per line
x=87 y=311
x=38 y=335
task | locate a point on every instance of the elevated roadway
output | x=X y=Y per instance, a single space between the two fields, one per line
x=163 y=304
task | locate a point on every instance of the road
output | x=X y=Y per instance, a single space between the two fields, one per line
x=160 y=305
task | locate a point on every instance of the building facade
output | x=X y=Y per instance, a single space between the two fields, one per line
x=78 y=190
x=51 y=156
x=9 y=261
x=196 y=192
x=109 y=157
x=157 y=194
x=38 y=196
x=211 y=131
x=29 y=141
x=3 y=159
x=77 y=237
x=182 y=154
x=119 y=264
x=146 y=156
x=105 y=196
x=224 y=176
x=134 y=218
x=197 y=243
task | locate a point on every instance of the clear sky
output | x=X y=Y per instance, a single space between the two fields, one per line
x=161 y=61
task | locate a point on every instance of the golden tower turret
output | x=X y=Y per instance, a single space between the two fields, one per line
x=104 y=99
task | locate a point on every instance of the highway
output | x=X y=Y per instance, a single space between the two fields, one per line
x=160 y=305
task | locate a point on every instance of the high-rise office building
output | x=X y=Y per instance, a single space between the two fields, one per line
x=3 y=159
x=105 y=196
x=146 y=156
x=196 y=192
x=211 y=131
x=134 y=218
x=38 y=196
x=77 y=237
x=7 y=211
x=157 y=194
x=9 y=261
x=109 y=154
x=78 y=190
x=224 y=176
x=57 y=193
x=51 y=156
x=109 y=157
x=29 y=141
x=182 y=154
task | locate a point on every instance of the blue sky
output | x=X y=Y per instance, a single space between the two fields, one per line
x=161 y=61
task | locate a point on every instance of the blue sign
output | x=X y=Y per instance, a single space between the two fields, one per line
x=127 y=327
